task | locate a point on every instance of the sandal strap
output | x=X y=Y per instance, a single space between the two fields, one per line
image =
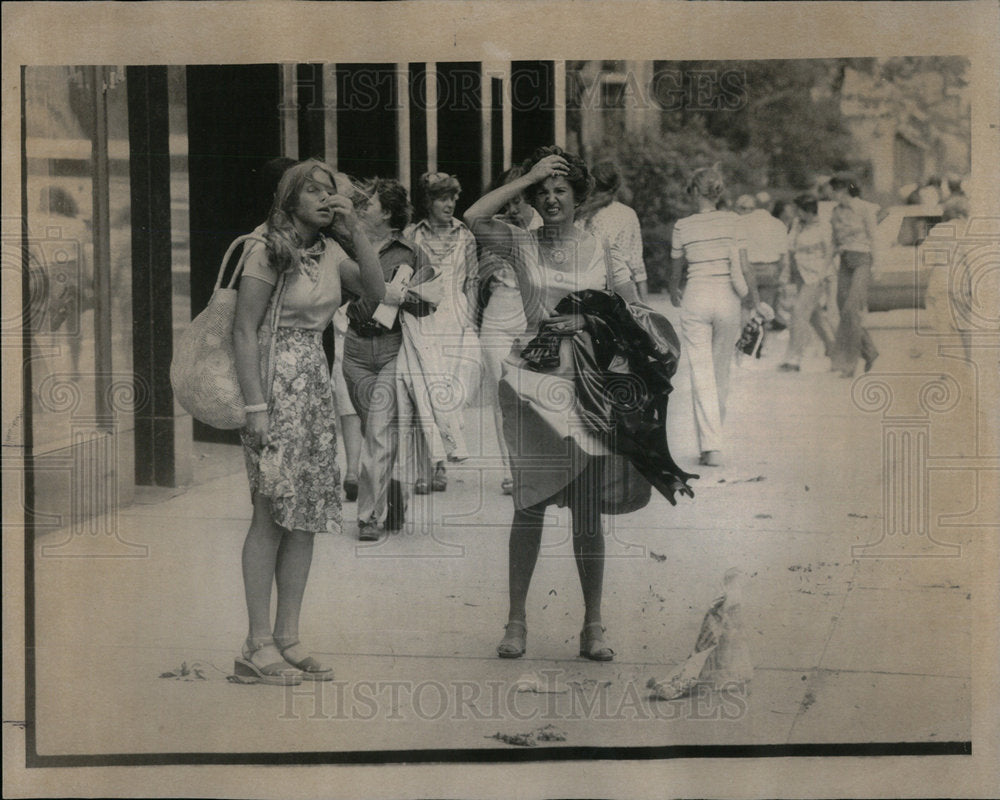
x=307 y=664
x=252 y=647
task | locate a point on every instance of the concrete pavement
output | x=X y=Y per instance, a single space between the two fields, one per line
x=854 y=637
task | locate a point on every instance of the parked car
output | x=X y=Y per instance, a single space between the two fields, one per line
x=899 y=280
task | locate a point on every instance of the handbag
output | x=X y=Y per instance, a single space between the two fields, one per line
x=203 y=368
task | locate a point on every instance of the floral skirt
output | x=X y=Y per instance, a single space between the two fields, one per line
x=297 y=470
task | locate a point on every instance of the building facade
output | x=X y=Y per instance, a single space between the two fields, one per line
x=135 y=180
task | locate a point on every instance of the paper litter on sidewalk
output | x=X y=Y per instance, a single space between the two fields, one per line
x=721 y=658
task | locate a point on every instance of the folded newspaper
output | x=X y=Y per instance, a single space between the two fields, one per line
x=721 y=658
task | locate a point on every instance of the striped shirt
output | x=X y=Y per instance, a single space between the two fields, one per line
x=710 y=241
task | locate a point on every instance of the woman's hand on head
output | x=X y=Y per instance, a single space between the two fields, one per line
x=549 y=167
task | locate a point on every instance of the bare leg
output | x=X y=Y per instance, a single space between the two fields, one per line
x=260 y=551
x=291 y=574
x=525 y=541
x=588 y=541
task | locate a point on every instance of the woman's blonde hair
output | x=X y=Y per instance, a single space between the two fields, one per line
x=283 y=241
x=707 y=182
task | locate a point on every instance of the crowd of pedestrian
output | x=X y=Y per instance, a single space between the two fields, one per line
x=536 y=293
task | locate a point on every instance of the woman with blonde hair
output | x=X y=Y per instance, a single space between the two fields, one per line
x=708 y=248
x=299 y=272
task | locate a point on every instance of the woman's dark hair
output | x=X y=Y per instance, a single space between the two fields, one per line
x=607 y=178
x=578 y=177
x=393 y=198
x=807 y=203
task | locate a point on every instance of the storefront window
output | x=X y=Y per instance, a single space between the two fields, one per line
x=60 y=121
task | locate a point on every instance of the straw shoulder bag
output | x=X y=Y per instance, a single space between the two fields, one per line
x=203 y=369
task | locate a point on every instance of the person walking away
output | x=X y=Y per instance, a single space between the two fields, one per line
x=709 y=245
x=766 y=238
x=949 y=301
x=853 y=221
x=812 y=260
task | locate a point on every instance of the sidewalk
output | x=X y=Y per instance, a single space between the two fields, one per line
x=846 y=648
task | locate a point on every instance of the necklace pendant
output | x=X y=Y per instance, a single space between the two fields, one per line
x=559 y=256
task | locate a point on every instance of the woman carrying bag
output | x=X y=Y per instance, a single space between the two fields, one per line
x=289 y=439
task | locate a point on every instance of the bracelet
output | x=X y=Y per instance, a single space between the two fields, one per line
x=253 y=409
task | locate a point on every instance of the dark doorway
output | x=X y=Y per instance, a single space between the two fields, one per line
x=366 y=120
x=533 y=112
x=460 y=128
x=234 y=128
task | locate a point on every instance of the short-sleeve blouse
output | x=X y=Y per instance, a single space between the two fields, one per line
x=710 y=241
x=312 y=289
x=543 y=286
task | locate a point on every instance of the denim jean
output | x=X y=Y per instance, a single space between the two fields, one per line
x=370 y=373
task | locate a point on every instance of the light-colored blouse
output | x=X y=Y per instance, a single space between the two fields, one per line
x=312 y=289
x=619 y=224
x=543 y=283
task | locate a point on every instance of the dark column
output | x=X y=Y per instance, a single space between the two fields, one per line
x=460 y=127
x=533 y=119
x=418 y=122
x=234 y=129
x=496 y=142
x=366 y=120
x=152 y=320
x=312 y=116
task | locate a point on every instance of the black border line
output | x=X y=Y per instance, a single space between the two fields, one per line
x=27 y=428
x=521 y=755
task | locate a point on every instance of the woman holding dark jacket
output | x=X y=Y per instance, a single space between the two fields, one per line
x=555 y=457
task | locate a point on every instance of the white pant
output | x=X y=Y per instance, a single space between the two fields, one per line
x=710 y=326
